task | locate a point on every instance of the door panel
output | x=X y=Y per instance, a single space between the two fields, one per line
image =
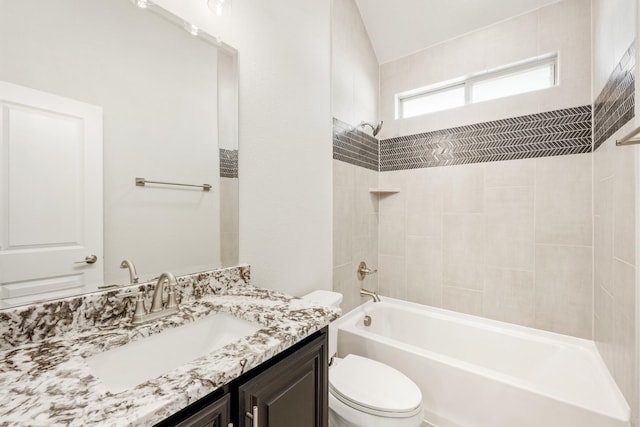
x=50 y=195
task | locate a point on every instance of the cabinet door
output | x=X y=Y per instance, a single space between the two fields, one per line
x=292 y=393
x=215 y=415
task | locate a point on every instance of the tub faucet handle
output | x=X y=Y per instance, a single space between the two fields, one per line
x=364 y=271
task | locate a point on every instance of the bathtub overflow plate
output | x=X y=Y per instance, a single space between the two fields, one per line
x=367 y=320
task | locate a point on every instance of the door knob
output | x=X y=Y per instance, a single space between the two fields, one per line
x=89 y=259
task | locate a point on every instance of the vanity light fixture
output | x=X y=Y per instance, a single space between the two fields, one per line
x=217 y=6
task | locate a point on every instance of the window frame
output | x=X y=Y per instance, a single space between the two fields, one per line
x=468 y=83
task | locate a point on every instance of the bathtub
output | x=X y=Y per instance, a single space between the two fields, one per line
x=475 y=372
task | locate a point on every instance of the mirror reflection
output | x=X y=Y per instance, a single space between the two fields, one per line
x=95 y=94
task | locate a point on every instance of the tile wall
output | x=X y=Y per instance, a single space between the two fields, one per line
x=615 y=172
x=510 y=239
x=355 y=80
x=507 y=240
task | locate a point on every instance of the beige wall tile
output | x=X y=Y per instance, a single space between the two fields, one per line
x=393 y=202
x=392 y=234
x=509 y=295
x=342 y=225
x=463 y=188
x=624 y=214
x=603 y=323
x=510 y=173
x=392 y=277
x=344 y=281
x=509 y=227
x=624 y=288
x=463 y=300
x=624 y=354
x=563 y=200
x=564 y=289
x=463 y=250
x=424 y=270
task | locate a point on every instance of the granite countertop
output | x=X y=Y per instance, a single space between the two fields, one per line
x=46 y=382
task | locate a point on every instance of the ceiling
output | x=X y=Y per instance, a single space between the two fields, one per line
x=401 y=27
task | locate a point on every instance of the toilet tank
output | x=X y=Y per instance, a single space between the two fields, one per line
x=328 y=298
x=331 y=299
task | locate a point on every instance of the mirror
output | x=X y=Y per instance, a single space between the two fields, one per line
x=168 y=100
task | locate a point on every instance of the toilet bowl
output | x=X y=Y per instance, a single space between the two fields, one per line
x=364 y=392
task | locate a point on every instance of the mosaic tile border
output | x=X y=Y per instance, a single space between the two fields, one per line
x=615 y=105
x=553 y=133
x=354 y=146
x=228 y=163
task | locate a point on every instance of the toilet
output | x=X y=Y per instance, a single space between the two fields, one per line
x=364 y=392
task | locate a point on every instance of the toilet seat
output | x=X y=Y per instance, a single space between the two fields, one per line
x=374 y=388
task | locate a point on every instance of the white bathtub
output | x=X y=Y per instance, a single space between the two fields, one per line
x=475 y=372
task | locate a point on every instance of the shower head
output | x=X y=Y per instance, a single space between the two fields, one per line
x=375 y=129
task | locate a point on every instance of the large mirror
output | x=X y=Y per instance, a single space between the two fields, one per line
x=94 y=94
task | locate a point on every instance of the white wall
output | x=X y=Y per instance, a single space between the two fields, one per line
x=285 y=134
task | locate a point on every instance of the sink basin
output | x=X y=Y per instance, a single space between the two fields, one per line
x=122 y=368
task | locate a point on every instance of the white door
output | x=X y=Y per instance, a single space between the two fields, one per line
x=50 y=196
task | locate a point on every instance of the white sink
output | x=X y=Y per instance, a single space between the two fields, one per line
x=122 y=368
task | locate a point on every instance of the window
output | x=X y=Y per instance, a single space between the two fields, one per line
x=513 y=79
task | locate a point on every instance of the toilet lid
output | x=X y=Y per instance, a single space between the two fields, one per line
x=374 y=387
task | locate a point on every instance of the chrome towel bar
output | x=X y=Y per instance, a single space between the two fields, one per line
x=629 y=139
x=141 y=182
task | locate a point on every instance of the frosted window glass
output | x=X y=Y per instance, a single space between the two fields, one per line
x=513 y=84
x=436 y=101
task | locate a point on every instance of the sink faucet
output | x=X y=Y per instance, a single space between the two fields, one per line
x=133 y=274
x=371 y=294
x=158 y=307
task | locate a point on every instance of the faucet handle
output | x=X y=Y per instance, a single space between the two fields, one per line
x=364 y=271
x=171 y=299
x=141 y=310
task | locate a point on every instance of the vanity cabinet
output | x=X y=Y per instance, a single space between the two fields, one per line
x=289 y=390
x=216 y=414
x=292 y=393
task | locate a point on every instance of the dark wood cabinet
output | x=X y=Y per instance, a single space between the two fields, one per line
x=289 y=390
x=216 y=414
x=292 y=393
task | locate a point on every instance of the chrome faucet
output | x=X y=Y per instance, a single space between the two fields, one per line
x=374 y=295
x=133 y=274
x=158 y=307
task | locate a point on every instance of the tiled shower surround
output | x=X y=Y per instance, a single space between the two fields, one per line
x=543 y=241
x=490 y=238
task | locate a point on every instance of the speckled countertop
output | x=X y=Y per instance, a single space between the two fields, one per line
x=44 y=380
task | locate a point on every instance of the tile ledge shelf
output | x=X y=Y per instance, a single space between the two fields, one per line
x=384 y=190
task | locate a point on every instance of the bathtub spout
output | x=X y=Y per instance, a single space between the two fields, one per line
x=374 y=295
